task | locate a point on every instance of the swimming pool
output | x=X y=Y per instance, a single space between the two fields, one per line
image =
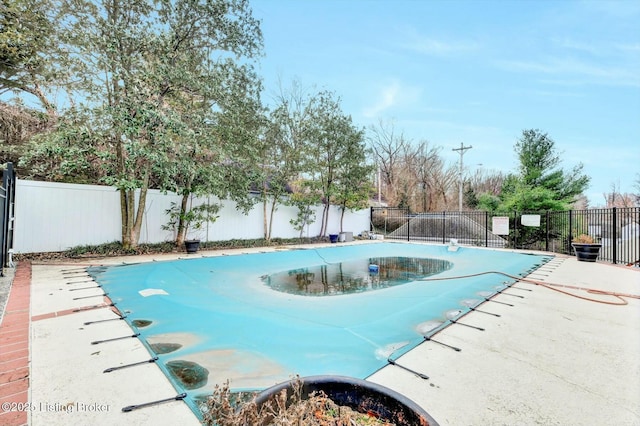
x=215 y=318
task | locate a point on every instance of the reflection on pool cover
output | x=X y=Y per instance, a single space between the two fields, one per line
x=355 y=276
x=209 y=320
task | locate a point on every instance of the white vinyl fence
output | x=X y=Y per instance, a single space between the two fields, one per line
x=56 y=216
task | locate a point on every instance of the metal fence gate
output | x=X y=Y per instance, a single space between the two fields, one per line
x=617 y=229
x=7 y=200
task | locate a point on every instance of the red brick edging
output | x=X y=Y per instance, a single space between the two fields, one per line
x=14 y=350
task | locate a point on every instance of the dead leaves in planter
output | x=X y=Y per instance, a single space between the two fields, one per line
x=316 y=410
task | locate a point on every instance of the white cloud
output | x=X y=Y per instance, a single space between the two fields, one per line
x=431 y=46
x=589 y=73
x=590 y=47
x=390 y=96
x=386 y=99
x=414 y=41
x=629 y=48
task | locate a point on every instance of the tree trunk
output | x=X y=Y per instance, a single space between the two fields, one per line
x=325 y=218
x=265 y=223
x=125 y=204
x=273 y=209
x=142 y=204
x=182 y=226
x=132 y=218
x=126 y=243
x=127 y=220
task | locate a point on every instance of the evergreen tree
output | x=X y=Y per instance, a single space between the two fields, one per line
x=540 y=183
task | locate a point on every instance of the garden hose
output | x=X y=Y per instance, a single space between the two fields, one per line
x=552 y=286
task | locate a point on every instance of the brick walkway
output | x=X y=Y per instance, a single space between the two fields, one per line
x=14 y=350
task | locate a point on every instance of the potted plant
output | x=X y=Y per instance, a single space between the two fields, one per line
x=368 y=398
x=188 y=222
x=585 y=247
x=330 y=400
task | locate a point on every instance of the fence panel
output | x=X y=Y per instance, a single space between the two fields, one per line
x=7 y=201
x=390 y=221
x=617 y=229
x=55 y=216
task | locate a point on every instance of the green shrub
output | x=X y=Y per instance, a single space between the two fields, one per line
x=115 y=248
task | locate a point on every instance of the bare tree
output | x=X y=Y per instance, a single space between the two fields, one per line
x=17 y=125
x=413 y=176
x=388 y=147
x=426 y=167
x=445 y=186
x=616 y=198
x=486 y=181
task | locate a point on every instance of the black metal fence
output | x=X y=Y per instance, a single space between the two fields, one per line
x=7 y=200
x=617 y=229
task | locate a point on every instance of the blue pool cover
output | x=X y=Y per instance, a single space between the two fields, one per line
x=213 y=318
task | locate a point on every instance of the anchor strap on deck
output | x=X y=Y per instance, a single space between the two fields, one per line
x=85 y=288
x=429 y=339
x=453 y=321
x=105 y=320
x=120 y=367
x=149 y=404
x=88 y=308
x=78 y=282
x=422 y=376
x=96 y=342
x=484 y=312
x=87 y=297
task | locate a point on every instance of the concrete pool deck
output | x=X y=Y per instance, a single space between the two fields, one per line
x=547 y=359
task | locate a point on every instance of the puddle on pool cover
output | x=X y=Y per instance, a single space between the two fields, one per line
x=189 y=374
x=141 y=323
x=355 y=276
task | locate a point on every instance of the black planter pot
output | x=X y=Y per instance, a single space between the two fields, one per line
x=192 y=246
x=586 y=252
x=360 y=395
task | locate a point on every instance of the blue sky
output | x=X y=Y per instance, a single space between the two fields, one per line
x=476 y=72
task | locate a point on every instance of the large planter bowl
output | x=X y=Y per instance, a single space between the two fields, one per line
x=586 y=252
x=192 y=246
x=360 y=395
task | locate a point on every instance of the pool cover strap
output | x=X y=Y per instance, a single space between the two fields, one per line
x=496 y=301
x=422 y=376
x=485 y=312
x=87 y=297
x=513 y=287
x=89 y=308
x=512 y=295
x=85 y=288
x=104 y=320
x=79 y=282
x=429 y=339
x=149 y=404
x=75 y=274
x=95 y=342
x=73 y=270
x=120 y=367
x=453 y=321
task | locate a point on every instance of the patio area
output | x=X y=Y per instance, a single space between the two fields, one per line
x=530 y=355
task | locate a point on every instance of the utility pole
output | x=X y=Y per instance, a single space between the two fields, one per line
x=461 y=151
